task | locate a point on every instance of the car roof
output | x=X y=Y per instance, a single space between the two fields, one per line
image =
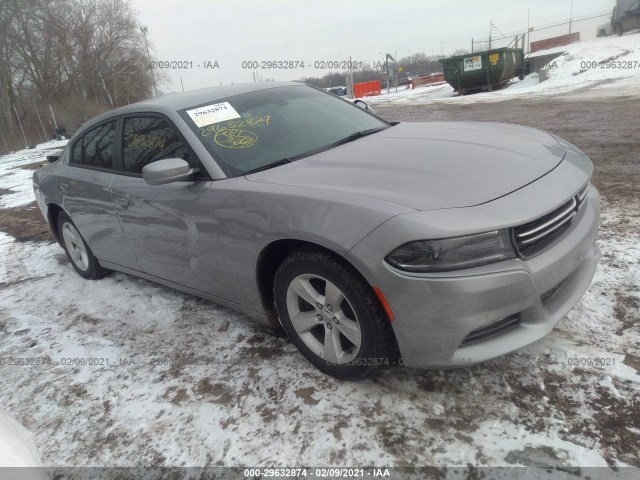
x=172 y=102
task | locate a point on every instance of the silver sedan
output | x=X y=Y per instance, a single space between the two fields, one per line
x=370 y=243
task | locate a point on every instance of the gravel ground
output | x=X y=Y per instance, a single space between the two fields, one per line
x=606 y=129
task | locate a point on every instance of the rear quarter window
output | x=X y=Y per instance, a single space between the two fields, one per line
x=95 y=148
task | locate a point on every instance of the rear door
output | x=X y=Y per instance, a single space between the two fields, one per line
x=166 y=225
x=87 y=200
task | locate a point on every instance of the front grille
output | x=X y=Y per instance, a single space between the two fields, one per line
x=493 y=330
x=533 y=237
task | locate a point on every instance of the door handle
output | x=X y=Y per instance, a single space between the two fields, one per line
x=121 y=202
x=64 y=187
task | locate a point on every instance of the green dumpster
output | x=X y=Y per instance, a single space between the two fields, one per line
x=483 y=70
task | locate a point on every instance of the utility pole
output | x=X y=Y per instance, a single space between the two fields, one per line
x=571 y=16
x=387 y=57
x=24 y=137
x=395 y=54
x=490 y=31
x=105 y=89
x=41 y=124
x=144 y=31
x=528 y=31
x=350 y=80
x=55 y=124
x=4 y=140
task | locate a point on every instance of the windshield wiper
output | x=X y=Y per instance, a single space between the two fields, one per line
x=357 y=135
x=283 y=161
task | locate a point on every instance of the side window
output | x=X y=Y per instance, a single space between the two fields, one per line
x=76 y=153
x=147 y=139
x=95 y=148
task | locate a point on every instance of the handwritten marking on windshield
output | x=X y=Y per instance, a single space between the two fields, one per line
x=234 y=125
x=235 y=138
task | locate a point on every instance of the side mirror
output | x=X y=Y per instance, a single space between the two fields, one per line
x=167 y=170
x=362 y=104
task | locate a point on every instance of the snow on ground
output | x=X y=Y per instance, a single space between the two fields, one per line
x=123 y=372
x=17 y=179
x=590 y=65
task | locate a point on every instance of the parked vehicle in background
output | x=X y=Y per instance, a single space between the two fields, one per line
x=626 y=16
x=605 y=29
x=60 y=133
x=339 y=91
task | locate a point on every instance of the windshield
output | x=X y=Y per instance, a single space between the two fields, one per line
x=254 y=130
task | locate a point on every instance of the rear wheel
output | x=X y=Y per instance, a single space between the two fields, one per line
x=78 y=252
x=617 y=28
x=332 y=315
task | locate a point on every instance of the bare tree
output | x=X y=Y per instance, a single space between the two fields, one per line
x=79 y=55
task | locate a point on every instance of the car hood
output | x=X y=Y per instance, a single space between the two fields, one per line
x=428 y=165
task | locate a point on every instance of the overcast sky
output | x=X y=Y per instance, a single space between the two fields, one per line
x=231 y=32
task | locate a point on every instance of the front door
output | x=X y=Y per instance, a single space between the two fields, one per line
x=164 y=224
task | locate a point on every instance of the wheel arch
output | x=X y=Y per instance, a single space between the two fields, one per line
x=53 y=211
x=272 y=256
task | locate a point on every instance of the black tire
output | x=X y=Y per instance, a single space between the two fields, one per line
x=618 y=29
x=377 y=346
x=93 y=270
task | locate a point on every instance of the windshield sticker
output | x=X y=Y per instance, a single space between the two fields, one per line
x=235 y=138
x=235 y=124
x=219 y=112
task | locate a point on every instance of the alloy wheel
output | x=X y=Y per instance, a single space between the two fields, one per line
x=75 y=246
x=323 y=318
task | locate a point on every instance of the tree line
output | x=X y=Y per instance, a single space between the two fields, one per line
x=65 y=61
x=81 y=57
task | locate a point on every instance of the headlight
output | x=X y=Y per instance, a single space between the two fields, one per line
x=452 y=253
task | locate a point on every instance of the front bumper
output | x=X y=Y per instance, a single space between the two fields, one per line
x=437 y=314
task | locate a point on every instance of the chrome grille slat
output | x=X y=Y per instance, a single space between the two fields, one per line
x=533 y=237
x=553 y=220
x=582 y=195
x=548 y=231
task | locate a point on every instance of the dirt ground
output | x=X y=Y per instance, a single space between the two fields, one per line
x=25 y=224
x=607 y=130
x=270 y=408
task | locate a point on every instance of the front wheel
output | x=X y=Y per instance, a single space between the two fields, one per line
x=332 y=315
x=78 y=252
